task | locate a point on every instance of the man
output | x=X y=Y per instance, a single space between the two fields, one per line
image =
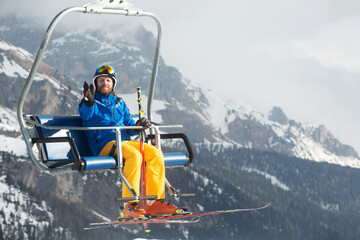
x=101 y=107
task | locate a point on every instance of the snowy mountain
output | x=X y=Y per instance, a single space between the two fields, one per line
x=235 y=123
x=245 y=126
x=243 y=156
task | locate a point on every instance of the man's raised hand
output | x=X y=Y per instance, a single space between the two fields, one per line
x=89 y=94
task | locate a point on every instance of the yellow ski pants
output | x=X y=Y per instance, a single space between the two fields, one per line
x=155 y=169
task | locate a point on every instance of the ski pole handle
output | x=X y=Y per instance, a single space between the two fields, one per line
x=139 y=100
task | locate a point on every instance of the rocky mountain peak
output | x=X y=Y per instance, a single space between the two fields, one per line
x=278 y=115
x=323 y=136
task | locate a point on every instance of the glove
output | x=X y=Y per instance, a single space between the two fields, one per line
x=143 y=122
x=89 y=94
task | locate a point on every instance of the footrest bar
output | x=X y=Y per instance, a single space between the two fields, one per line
x=129 y=199
x=186 y=195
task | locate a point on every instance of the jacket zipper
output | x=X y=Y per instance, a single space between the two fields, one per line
x=113 y=111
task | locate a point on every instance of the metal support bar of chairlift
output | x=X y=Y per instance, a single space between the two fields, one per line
x=167 y=183
x=27 y=86
x=154 y=73
x=157 y=138
x=120 y=162
x=174 y=193
x=98 y=7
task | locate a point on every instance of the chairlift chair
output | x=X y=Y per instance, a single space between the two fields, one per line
x=58 y=145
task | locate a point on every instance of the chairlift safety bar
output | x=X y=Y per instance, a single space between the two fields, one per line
x=96 y=128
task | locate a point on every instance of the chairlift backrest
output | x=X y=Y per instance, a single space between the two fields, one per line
x=59 y=151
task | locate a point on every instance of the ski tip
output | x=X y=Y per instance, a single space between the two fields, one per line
x=267 y=205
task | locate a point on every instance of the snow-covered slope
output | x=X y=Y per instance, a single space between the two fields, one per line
x=8 y=65
x=10 y=138
x=18 y=210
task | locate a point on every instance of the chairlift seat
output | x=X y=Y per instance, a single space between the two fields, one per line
x=64 y=146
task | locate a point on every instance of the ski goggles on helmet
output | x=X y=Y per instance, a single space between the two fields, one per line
x=105 y=69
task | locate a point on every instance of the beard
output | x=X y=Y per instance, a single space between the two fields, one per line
x=104 y=90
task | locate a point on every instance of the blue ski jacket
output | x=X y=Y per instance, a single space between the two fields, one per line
x=107 y=111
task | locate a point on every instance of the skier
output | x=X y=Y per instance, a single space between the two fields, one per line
x=101 y=107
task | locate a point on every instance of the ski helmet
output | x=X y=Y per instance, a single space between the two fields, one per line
x=105 y=70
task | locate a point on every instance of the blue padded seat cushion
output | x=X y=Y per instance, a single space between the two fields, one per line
x=99 y=163
x=176 y=159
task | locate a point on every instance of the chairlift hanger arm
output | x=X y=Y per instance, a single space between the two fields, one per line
x=96 y=7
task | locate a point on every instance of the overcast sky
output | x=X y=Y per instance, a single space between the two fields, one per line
x=300 y=55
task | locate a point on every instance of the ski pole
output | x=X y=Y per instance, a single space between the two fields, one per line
x=143 y=189
x=142 y=152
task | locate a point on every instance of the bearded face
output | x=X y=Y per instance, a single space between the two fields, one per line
x=104 y=85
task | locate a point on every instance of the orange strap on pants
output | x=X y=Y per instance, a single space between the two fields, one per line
x=155 y=169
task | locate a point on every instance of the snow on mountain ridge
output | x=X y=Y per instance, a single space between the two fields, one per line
x=10 y=67
x=8 y=120
x=9 y=47
x=82 y=36
x=219 y=113
x=8 y=124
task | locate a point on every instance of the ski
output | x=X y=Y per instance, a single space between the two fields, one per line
x=174 y=218
x=185 y=215
x=148 y=220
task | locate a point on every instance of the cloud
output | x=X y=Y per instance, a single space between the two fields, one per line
x=314 y=76
x=336 y=45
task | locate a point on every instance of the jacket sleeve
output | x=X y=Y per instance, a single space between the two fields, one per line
x=85 y=111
